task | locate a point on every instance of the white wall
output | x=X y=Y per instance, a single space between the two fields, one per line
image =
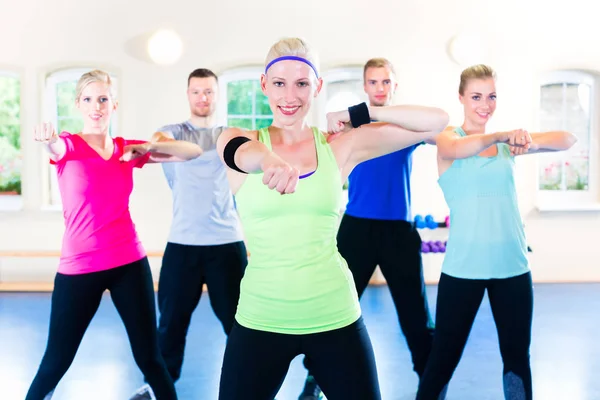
x=524 y=38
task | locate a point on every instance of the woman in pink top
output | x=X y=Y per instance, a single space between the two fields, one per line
x=101 y=249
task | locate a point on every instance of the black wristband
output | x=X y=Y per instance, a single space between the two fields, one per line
x=230 y=149
x=359 y=115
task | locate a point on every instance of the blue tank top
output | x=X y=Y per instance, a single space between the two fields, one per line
x=380 y=188
x=486 y=238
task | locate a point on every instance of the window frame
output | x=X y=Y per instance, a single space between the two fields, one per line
x=565 y=200
x=15 y=202
x=234 y=75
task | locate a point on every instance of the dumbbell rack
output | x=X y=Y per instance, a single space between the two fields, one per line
x=429 y=223
x=435 y=246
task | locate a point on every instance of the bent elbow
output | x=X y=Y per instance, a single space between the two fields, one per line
x=569 y=140
x=441 y=122
x=197 y=152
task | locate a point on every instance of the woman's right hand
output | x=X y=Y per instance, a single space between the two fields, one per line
x=279 y=175
x=45 y=133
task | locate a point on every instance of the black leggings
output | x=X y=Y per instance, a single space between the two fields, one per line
x=75 y=300
x=257 y=362
x=185 y=269
x=396 y=247
x=458 y=300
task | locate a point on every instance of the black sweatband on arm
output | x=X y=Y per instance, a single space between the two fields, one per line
x=359 y=115
x=230 y=149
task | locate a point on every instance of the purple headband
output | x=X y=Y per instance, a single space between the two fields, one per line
x=304 y=60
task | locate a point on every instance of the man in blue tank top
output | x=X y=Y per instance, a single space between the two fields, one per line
x=377 y=226
x=205 y=244
x=377 y=230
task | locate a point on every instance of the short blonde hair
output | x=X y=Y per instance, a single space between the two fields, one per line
x=479 y=71
x=379 y=62
x=292 y=47
x=91 y=77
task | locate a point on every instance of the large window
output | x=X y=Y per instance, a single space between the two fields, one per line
x=242 y=103
x=62 y=112
x=11 y=159
x=567 y=102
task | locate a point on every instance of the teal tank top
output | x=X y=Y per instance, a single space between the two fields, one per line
x=486 y=238
x=296 y=282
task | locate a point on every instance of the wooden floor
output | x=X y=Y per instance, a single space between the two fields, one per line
x=565 y=351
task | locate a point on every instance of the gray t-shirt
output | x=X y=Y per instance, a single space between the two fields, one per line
x=204 y=211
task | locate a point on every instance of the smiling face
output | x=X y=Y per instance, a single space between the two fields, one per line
x=479 y=100
x=380 y=85
x=202 y=96
x=95 y=102
x=290 y=86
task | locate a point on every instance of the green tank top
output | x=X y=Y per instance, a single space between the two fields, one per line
x=296 y=281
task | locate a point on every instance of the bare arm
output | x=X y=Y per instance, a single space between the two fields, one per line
x=163 y=148
x=398 y=127
x=427 y=120
x=254 y=157
x=55 y=146
x=249 y=156
x=451 y=146
x=551 y=141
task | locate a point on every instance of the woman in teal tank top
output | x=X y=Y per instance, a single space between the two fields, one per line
x=297 y=295
x=486 y=247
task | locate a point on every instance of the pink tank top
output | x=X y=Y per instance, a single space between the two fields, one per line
x=99 y=233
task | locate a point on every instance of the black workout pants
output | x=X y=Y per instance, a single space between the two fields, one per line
x=342 y=361
x=458 y=300
x=185 y=269
x=75 y=300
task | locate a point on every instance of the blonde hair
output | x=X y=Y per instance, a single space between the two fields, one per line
x=91 y=77
x=379 y=62
x=479 y=71
x=292 y=47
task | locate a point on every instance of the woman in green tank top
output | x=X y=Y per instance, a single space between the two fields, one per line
x=486 y=247
x=297 y=295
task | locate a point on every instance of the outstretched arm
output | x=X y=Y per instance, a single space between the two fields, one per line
x=243 y=154
x=398 y=127
x=249 y=154
x=163 y=148
x=452 y=146
x=55 y=146
x=551 y=141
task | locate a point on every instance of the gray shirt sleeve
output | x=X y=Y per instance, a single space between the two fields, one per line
x=173 y=130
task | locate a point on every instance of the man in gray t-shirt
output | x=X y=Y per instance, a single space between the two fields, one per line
x=205 y=243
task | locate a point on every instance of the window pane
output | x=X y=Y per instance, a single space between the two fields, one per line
x=551 y=107
x=65 y=98
x=245 y=123
x=263 y=122
x=68 y=116
x=69 y=124
x=577 y=172
x=566 y=106
x=239 y=97
x=577 y=121
x=550 y=173
x=262 y=102
x=10 y=135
